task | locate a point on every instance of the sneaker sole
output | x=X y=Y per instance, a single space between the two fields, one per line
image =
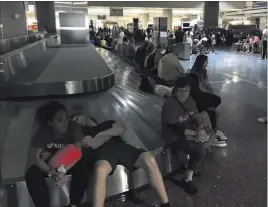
x=220 y=145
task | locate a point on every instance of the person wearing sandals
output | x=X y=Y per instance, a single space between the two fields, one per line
x=204 y=95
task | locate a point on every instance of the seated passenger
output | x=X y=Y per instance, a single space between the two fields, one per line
x=169 y=68
x=54 y=132
x=124 y=47
x=141 y=54
x=131 y=52
x=186 y=129
x=204 y=95
x=152 y=60
x=202 y=44
x=103 y=43
x=254 y=44
x=113 y=44
x=98 y=41
x=109 y=150
x=240 y=42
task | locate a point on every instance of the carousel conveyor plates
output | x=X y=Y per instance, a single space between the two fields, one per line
x=61 y=71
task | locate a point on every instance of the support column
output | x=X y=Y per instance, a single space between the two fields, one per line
x=12 y=19
x=263 y=22
x=145 y=20
x=45 y=15
x=211 y=14
x=168 y=13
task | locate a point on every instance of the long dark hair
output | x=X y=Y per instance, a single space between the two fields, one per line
x=47 y=111
x=198 y=65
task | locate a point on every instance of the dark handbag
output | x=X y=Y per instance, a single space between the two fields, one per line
x=209 y=130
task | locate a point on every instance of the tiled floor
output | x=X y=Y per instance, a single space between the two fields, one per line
x=235 y=176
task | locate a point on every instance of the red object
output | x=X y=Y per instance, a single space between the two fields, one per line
x=66 y=156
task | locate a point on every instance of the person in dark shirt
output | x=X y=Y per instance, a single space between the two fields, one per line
x=179 y=34
x=55 y=131
x=109 y=150
x=186 y=129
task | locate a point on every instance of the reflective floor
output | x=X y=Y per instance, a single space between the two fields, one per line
x=233 y=176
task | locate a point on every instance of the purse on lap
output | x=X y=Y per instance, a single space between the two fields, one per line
x=192 y=137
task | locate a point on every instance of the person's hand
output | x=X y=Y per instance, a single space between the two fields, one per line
x=86 y=140
x=45 y=155
x=201 y=134
x=61 y=179
x=81 y=119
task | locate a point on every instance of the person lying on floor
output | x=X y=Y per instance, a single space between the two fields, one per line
x=109 y=150
x=54 y=132
x=204 y=95
x=186 y=129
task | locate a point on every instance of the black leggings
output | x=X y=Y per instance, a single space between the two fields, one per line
x=205 y=101
x=37 y=187
x=264 y=49
x=196 y=151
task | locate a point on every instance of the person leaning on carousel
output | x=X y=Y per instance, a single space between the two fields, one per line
x=107 y=150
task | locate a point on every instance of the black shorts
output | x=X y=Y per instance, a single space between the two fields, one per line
x=118 y=153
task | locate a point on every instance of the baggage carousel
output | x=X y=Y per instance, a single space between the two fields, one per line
x=93 y=81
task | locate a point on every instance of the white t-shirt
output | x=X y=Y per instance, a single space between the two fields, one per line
x=204 y=39
x=264 y=34
x=120 y=39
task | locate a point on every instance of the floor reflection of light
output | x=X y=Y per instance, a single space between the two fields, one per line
x=235 y=79
x=124 y=178
x=224 y=152
x=234 y=72
x=260 y=84
x=227 y=81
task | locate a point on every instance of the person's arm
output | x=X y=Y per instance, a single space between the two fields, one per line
x=117 y=129
x=96 y=142
x=40 y=162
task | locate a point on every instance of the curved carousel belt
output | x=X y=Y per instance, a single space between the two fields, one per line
x=124 y=102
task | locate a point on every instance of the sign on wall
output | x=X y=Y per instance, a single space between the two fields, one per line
x=258 y=4
x=117 y=12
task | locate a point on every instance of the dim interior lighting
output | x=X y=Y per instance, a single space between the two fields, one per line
x=80 y=2
x=185 y=11
x=63 y=2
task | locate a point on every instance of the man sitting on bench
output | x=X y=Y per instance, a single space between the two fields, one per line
x=109 y=150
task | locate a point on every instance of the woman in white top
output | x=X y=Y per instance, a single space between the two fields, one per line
x=120 y=39
x=213 y=42
x=189 y=39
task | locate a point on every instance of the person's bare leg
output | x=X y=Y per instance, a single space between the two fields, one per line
x=147 y=162
x=101 y=171
x=189 y=175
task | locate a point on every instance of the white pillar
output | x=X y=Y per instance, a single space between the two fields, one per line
x=168 y=13
x=263 y=21
x=144 y=20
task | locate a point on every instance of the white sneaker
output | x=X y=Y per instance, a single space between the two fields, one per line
x=219 y=143
x=262 y=120
x=221 y=136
